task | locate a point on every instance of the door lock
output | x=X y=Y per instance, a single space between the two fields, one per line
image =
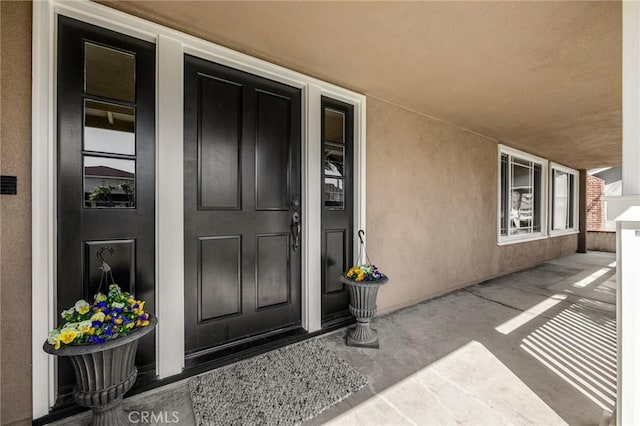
x=295 y=230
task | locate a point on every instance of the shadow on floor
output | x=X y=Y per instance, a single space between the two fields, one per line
x=533 y=347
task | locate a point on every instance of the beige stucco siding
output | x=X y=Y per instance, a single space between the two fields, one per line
x=15 y=213
x=431 y=208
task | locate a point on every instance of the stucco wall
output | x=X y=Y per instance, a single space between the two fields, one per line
x=431 y=208
x=15 y=213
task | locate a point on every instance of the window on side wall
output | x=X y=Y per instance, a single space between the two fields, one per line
x=523 y=195
x=564 y=200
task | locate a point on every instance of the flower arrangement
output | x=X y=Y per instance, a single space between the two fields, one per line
x=366 y=273
x=108 y=317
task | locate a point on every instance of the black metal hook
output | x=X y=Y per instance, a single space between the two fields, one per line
x=360 y=235
x=102 y=249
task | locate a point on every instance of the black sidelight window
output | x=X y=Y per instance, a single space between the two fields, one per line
x=337 y=204
x=109 y=137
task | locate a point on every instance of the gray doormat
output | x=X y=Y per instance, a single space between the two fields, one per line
x=283 y=387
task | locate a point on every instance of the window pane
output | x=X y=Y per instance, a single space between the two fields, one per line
x=563 y=200
x=333 y=159
x=109 y=128
x=537 y=198
x=109 y=182
x=333 y=125
x=334 y=193
x=560 y=199
x=571 y=202
x=522 y=201
x=504 y=194
x=109 y=72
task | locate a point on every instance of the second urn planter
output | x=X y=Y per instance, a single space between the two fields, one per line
x=362 y=305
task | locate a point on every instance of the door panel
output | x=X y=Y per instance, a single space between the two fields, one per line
x=220 y=286
x=272 y=152
x=241 y=171
x=219 y=144
x=273 y=269
x=105 y=171
x=336 y=259
x=337 y=205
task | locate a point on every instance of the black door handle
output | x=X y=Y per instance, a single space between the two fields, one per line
x=295 y=230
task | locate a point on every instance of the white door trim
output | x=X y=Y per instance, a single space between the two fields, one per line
x=171 y=45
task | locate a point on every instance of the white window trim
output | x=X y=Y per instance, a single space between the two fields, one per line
x=514 y=239
x=576 y=199
x=171 y=45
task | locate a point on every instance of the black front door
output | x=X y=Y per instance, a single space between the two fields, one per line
x=106 y=170
x=242 y=206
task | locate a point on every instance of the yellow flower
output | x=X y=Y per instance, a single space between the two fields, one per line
x=54 y=339
x=67 y=336
x=100 y=297
x=107 y=318
x=98 y=316
x=82 y=307
x=92 y=331
x=145 y=323
x=130 y=325
x=119 y=321
x=84 y=326
x=131 y=301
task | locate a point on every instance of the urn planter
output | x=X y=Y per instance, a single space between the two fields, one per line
x=104 y=373
x=362 y=305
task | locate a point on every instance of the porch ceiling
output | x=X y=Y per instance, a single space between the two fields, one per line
x=544 y=77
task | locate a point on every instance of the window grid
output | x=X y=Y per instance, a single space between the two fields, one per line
x=519 y=222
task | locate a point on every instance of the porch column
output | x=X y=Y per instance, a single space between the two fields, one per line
x=582 y=212
x=626 y=211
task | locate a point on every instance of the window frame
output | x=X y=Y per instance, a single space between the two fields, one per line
x=544 y=197
x=576 y=199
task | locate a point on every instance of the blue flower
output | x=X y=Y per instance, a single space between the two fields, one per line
x=96 y=339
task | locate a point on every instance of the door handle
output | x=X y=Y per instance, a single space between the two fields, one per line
x=295 y=230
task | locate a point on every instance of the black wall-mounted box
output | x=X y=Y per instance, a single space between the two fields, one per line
x=8 y=185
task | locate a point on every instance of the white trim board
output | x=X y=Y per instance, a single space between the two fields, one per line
x=171 y=45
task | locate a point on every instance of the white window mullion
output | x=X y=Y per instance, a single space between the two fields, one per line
x=509 y=195
x=533 y=196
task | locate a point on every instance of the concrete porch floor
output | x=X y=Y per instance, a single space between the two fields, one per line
x=533 y=347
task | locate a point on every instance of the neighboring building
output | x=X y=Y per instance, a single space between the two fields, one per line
x=601 y=183
x=596 y=210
